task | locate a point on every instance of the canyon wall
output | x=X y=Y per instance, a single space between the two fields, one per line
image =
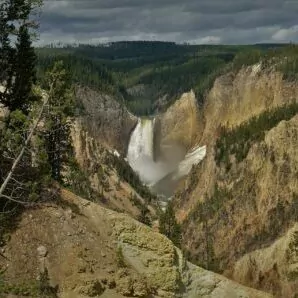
x=105 y=118
x=180 y=124
x=229 y=212
x=100 y=135
x=236 y=97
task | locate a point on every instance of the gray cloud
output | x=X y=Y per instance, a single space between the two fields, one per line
x=198 y=21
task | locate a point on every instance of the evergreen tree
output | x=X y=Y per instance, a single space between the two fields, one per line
x=25 y=75
x=144 y=215
x=6 y=50
x=169 y=226
x=57 y=133
x=17 y=58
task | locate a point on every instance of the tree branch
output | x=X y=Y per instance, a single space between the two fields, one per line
x=13 y=200
x=19 y=157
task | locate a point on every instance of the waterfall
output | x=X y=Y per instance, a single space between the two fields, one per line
x=141 y=141
x=140 y=156
x=140 y=150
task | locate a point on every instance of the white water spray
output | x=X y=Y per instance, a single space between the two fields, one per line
x=141 y=141
x=140 y=156
x=140 y=153
x=192 y=158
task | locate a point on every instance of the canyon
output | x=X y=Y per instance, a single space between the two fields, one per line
x=238 y=219
x=252 y=194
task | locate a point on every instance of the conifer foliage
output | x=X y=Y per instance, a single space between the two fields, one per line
x=57 y=126
x=168 y=225
x=17 y=57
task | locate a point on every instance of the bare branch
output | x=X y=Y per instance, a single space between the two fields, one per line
x=3 y=256
x=18 y=182
x=19 y=157
x=8 y=211
x=13 y=200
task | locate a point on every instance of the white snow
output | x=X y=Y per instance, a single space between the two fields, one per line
x=116 y=153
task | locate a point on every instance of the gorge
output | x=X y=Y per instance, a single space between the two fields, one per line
x=180 y=180
x=233 y=211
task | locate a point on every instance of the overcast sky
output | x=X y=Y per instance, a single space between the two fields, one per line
x=195 y=21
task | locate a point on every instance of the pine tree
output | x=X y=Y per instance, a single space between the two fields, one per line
x=17 y=59
x=6 y=50
x=57 y=132
x=25 y=74
x=144 y=216
x=169 y=226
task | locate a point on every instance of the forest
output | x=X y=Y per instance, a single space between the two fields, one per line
x=144 y=72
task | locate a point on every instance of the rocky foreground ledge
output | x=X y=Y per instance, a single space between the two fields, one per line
x=90 y=251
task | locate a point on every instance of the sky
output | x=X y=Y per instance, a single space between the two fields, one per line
x=192 y=21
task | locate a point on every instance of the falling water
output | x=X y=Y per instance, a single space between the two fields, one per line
x=140 y=156
x=140 y=150
x=141 y=141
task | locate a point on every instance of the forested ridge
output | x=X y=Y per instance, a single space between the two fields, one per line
x=143 y=72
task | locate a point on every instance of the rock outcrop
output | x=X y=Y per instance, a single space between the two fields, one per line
x=106 y=119
x=92 y=251
x=180 y=123
x=274 y=268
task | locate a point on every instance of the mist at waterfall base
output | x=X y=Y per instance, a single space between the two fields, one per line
x=140 y=153
x=160 y=175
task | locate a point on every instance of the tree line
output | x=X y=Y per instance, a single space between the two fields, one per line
x=162 y=68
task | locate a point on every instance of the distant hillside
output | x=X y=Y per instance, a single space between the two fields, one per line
x=148 y=75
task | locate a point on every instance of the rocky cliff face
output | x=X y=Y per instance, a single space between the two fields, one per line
x=106 y=119
x=100 y=134
x=229 y=213
x=235 y=98
x=180 y=124
x=274 y=268
x=94 y=159
x=90 y=251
